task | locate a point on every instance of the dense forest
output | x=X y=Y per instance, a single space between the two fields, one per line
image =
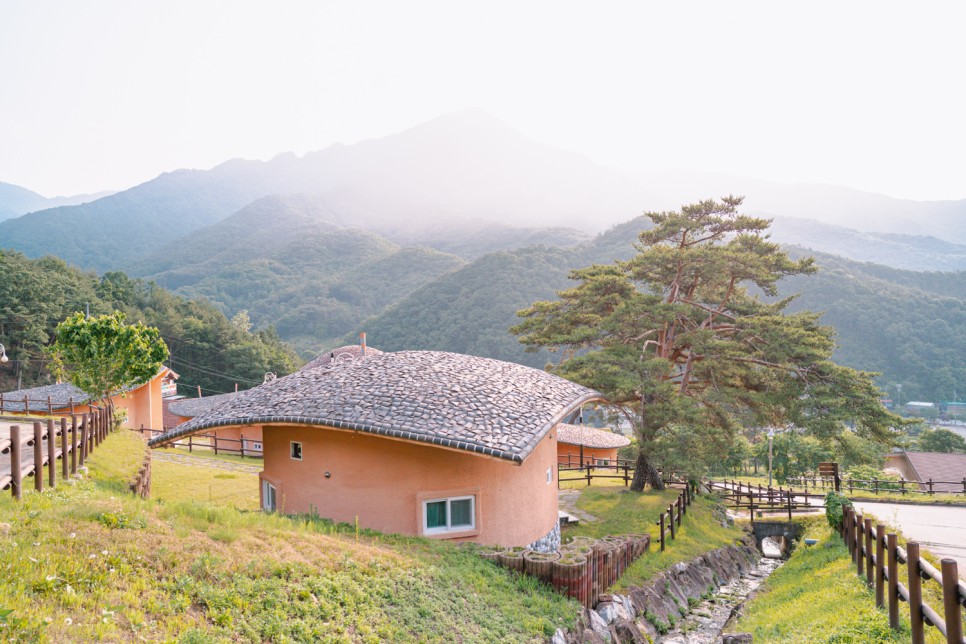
x=207 y=349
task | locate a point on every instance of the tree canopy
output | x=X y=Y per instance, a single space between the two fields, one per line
x=102 y=355
x=685 y=345
x=940 y=440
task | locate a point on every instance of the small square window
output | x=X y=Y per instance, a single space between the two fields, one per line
x=449 y=515
x=295 y=450
x=549 y=475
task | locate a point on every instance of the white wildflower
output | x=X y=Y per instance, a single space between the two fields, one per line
x=69 y=590
x=48 y=619
x=51 y=577
x=68 y=621
x=92 y=556
x=104 y=552
x=72 y=535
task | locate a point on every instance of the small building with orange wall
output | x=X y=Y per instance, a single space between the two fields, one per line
x=428 y=443
x=143 y=403
x=582 y=446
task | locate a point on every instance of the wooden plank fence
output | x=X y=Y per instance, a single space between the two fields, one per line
x=79 y=435
x=211 y=442
x=877 y=557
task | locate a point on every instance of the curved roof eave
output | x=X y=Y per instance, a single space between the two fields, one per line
x=388 y=431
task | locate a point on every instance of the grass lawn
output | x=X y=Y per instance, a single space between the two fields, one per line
x=623 y=512
x=817 y=597
x=90 y=562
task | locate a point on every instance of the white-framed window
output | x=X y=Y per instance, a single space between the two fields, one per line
x=603 y=462
x=454 y=514
x=268 y=497
x=549 y=475
x=295 y=450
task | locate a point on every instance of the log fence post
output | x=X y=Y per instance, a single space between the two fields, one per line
x=869 y=573
x=64 y=464
x=892 y=545
x=662 y=532
x=670 y=510
x=915 y=593
x=858 y=543
x=73 y=445
x=51 y=454
x=84 y=429
x=15 y=479
x=879 y=566
x=951 y=602
x=38 y=457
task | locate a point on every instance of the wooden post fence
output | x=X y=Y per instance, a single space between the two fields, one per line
x=15 y=471
x=880 y=568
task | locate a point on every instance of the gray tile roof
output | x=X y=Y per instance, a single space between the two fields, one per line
x=590 y=437
x=191 y=407
x=346 y=353
x=949 y=468
x=60 y=394
x=476 y=404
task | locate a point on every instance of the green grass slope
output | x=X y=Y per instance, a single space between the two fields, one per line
x=90 y=562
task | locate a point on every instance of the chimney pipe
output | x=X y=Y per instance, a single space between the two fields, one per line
x=362 y=337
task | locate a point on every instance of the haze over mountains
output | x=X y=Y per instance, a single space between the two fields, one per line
x=16 y=201
x=451 y=177
x=434 y=237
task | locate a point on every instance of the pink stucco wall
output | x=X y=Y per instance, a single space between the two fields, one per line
x=383 y=482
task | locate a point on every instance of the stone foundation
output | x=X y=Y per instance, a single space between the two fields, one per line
x=550 y=542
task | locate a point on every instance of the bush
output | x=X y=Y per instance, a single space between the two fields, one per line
x=834 y=502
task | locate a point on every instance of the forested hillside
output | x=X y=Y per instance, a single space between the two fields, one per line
x=207 y=349
x=909 y=326
x=284 y=261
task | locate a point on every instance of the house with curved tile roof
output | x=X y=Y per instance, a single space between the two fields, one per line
x=582 y=446
x=143 y=403
x=427 y=443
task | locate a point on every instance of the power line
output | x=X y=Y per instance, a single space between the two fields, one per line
x=211 y=372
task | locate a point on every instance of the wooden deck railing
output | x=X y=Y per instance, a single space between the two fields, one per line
x=211 y=442
x=79 y=435
x=877 y=557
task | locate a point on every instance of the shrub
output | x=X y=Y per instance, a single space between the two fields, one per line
x=867 y=473
x=834 y=502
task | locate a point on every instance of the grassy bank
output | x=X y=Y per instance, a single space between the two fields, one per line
x=817 y=597
x=622 y=512
x=90 y=562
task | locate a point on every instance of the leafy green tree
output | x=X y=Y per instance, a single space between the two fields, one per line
x=940 y=440
x=675 y=338
x=102 y=355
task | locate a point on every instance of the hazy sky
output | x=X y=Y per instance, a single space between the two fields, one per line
x=104 y=95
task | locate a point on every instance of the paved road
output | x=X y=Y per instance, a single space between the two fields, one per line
x=938 y=528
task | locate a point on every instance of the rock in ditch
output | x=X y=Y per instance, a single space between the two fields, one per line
x=771 y=548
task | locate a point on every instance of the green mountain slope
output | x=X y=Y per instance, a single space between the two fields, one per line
x=285 y=262
x=910 y=326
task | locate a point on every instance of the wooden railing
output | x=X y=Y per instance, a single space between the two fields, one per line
x=879 y=486
x=744 y=496
x=211 y=442
x=670 y=520
x=622 y=469
x=79 y=435
x=877 y=557
x=24 y=405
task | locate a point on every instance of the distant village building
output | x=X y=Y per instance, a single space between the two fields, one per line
x=438 y=444
x=921 y=467
x=579 y=445
x=954 y=409
x=143 y=403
